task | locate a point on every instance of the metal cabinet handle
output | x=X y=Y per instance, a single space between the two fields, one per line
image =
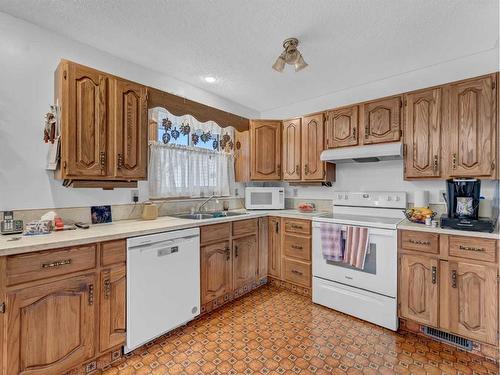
x=436 y=163
x=276 y=227
x=120 y=161
x=297 y=247
x=367 y=131
x=418 y=242
x=236 y=251
x=467 y=248
x=434 y=274
x=454 y=279
x=57 y=263
x=295 y=226
x=102 y=159
x=228 y=253
x=354 y=132
x=454 y=160
x=107 y=288
x=297 y=272
x=297 y=169
x=91 y=294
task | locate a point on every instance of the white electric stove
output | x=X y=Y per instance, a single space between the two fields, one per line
x=370 y=292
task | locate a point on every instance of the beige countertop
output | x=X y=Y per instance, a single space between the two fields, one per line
x=408 y=225
x=124 y=229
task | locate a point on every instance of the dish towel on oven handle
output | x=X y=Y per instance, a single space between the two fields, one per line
x=356 y=246
x=332 y=245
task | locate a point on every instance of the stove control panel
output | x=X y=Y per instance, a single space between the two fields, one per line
x=383 y=199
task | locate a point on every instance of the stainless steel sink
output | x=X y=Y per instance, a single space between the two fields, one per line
x=209 y=215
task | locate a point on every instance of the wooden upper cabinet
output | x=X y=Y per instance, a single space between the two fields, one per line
x=312 y=146
x=418 y=283
x=381 y=120
x=291 y=149
x=131 y=130
x=85 y=125
x=265 y=149
x=246 y=259
x=113 y=308
x=216 y=271
x=242 y=156
x=473 y=301
x=342 y=127
x=50 y=327
x=472 y=128
x=422 y=133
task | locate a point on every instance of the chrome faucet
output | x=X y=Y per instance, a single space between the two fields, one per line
x=205 y=202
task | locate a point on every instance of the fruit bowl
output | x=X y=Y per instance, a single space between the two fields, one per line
x=306 y=207
x=418 y=215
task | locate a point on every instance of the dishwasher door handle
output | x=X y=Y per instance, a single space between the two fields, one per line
x=162 y=244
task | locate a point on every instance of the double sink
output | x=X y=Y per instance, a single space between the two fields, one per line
x=209 y=215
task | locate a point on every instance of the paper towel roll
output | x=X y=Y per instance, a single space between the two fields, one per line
x=421 y=198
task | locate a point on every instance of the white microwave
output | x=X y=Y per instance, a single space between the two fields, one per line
x=265 y=198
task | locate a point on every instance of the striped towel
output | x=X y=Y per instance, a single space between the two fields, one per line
x=356 y=246
x=331 y=242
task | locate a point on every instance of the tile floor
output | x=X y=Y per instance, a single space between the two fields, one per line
x=275 y=331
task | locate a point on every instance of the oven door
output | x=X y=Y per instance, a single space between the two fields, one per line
x=379 y=273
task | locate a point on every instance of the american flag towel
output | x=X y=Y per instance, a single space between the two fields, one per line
x=331 y=242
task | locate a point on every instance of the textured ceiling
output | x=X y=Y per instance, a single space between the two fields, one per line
x=346 y=42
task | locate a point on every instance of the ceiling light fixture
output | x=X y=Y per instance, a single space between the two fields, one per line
x=290 y=55
x=210 y=79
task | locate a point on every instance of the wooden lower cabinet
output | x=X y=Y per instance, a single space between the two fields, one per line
x=216 y=271
x=453 y=293
x=263 y=247
x=274 y=247
x=113 y=307
x=245 y=264
x=51 y=327
x=418 y=294
x=473 y=301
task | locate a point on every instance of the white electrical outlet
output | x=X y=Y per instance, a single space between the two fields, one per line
x=295 y=192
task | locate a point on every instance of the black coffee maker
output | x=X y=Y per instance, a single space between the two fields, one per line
x=462 y=198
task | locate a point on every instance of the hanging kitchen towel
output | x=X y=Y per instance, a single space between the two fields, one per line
x=356 y=246
x=331 y=242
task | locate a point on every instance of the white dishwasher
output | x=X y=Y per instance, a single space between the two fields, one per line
x=163 y=284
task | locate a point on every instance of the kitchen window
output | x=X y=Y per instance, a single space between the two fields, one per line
x=189 y=158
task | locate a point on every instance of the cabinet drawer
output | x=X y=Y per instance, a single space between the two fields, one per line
x=244 y=226
x=420 y=241
x=298 y=226
x=113 y=252
x=297 y=247
x=297 y=272
x=473 y=248
x=210 y=233
x=34 y=266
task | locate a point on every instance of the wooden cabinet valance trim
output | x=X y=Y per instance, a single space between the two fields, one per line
x=181 y=106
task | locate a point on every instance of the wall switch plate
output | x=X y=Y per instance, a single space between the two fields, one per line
x=440 y=198
x=295 y=192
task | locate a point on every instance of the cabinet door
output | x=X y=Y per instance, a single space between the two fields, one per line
x=242 y=156
x=291 y=150
x=265 y=154
x=342 y=127
x=263 y=246
x=382 y=120
x=418 y=283
x=472 y=130
x=216 y=271
x=473 y=301
x=85 y=146
x=312 y=146
x=113 y=307
x=51 y=327
x=274 y=248
x=246 y=260
x=131 y=130
x=422 y=134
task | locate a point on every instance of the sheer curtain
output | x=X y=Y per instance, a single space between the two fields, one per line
x=184 y=171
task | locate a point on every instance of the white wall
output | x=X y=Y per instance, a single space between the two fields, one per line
x=28 y=58
x=454 y=70
x=380 y=176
